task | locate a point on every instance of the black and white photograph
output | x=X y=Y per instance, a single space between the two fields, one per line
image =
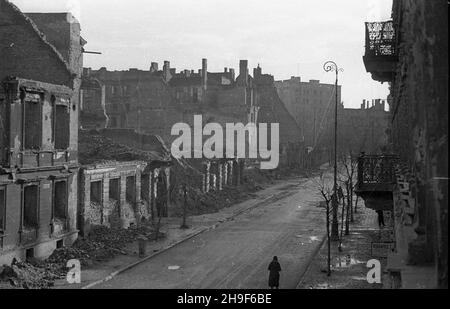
x=224 y=150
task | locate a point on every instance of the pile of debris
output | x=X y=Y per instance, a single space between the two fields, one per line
x=28 y=275
x=102 y=244
x=93 y=147
x=199 y=203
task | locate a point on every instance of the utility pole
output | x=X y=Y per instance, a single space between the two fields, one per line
x=331 y=66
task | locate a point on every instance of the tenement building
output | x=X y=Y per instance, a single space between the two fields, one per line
x=411 y=180
x=363 y=129
x=40 y=75
x=310 y=103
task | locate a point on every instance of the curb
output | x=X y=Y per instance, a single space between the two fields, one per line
x=310 y=260
x=211 y=227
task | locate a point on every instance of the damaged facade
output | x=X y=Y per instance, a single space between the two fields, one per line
x=153 y=101
x=121 y=183
x=409 y=53
x=363 y=129
x=39 y=125
x=310 y=103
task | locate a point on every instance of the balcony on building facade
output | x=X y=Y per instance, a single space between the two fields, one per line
x=376 y=179
x=381 y=53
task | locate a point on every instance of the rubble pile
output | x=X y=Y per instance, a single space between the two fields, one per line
x=102 y=244
x=60 y=256
x=95 y=215
x=28 y=276
x=199 y=202
x=96 y=148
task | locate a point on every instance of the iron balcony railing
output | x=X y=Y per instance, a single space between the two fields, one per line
x=380 y=39
x=376 y=172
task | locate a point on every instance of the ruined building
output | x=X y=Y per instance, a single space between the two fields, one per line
x=363 y=129
x=273 y=110
x=152 y=101
x=119 y=178
x=40 y=75
x=410 y=52
x=310 y=103
x=126 y=99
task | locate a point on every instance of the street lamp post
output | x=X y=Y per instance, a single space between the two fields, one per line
x=331 y=66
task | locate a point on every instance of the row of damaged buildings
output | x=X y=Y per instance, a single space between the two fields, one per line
x=80 y=147
x=152 y=101
x=410 y=179
x=312 y=106
x=56 y=181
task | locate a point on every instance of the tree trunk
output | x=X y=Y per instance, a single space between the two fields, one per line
x=352 y=219
x=184 y=225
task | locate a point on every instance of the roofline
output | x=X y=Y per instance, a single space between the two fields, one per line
x=41 y=36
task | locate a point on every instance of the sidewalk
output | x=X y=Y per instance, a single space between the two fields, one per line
x=348 y=267
x=103 y=271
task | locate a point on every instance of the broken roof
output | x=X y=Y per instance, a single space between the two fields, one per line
x=34 y=28
x=95 y=148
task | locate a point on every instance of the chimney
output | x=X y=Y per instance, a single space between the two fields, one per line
x=166 y=70
x=243 y=70
x=192 y=72
x=86 y=72
x=187 y=73
x=368 y=102
x=154 y=67
x=232 y=74
x=257 y=71
x=363 y=105
x=204 y=73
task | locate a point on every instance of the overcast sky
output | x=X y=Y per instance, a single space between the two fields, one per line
x=286 y=37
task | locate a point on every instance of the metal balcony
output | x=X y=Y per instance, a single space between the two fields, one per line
x=381 y=54
x=376 y=179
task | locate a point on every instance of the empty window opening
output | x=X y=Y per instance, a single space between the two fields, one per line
x=195 y=95
x=59 y=243
x=62 y=126
x=32 y=125
x=2 y=209
x=113 y=122
x=145 y=187
x=60 y=200
x=30 y=206
x=29 y=253
x=114 y=189
x=131 y=189
x=96 y=192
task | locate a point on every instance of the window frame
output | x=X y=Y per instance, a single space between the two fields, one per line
x=30 y=97
x=60 y=101
x=38 y=204
x=66 y=209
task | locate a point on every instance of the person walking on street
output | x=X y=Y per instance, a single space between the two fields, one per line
x=380 y=219
x=274 y=273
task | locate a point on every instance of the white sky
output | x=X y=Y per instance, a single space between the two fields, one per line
x=287 y=37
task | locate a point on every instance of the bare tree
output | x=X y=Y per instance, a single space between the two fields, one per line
x=326 y=192
x=349 y=163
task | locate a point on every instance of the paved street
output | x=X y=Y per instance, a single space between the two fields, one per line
x=237 y=253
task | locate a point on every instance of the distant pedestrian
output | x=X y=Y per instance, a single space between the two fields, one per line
x=274 y=273
x=380 y=219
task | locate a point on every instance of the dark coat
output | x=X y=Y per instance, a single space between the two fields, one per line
x=274 y=275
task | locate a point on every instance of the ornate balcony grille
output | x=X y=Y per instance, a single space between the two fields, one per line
x=380 y=39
